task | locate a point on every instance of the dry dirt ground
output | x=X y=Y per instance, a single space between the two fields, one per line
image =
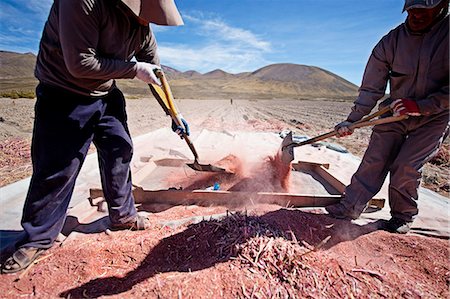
x=267 y=253
x=305 y=117
x=263 y=252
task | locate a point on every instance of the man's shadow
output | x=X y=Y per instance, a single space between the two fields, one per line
x=10 y=240
x=208 y=243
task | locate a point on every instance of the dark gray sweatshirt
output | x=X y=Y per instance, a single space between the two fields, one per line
x=416 y=67
x=86 y=44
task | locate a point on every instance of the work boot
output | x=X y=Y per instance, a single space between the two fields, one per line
x=397 y=225
x=339 y=211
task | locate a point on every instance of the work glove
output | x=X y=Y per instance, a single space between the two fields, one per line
x=343 y=129
x=146 y=72
x=405 y=106
x=181 y=129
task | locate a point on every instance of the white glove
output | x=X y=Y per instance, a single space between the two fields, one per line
x=146 y=72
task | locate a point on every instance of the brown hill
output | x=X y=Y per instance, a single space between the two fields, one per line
x=284 y=80
x=217 y=74
x=16 y=65
x=171 y=72
x=243 y=74
x=305 y=77
x=17 y=74
x=191 y=74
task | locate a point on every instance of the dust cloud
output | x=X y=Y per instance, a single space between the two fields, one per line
x=270 y=175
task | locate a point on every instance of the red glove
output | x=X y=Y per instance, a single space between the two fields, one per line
x=405 y=106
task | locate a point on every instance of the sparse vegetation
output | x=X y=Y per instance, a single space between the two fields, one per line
x=321 y=101
x=272 y=82
x=442 y=158
x=16 y=94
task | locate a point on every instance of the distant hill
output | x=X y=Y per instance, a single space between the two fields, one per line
x=192 y=74
x=15 y=65
x=283 y=80
x=17 y=74
x=304 y=76
x=217 y=74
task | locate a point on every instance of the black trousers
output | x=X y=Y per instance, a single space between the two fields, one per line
x=65 y=125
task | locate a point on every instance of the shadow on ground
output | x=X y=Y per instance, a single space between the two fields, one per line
x=208 y=243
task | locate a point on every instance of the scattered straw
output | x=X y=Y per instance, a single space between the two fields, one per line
x=370 y=272
x=31 y=266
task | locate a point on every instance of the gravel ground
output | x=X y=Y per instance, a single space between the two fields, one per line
x=267 y=252
x=305 y=117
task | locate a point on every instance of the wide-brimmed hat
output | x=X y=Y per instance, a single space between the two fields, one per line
x=420 y=4
x=160 y=12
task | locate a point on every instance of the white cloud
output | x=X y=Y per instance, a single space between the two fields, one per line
x=219 y=30
x=219 y=46
x=211 y=57
x=22 y=23
x=39 y=6
x=20 y=10
x=157 y=28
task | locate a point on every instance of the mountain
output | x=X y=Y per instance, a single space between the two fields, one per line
x=305 y=77
x=15 y=65
x=192 y=74
x=171 y=72
x=282 y=80
x=217 y=74
x=17 y=74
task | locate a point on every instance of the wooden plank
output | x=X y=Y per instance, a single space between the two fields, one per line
x=325 y=174
x=377 y=202
x=172 y=162
x=227 y=198
x=332 y=180
x=235 y=198
x=146 y=158
x=321 y=170
x=300 y=165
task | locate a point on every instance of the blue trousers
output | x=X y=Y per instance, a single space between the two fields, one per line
x=65 y=125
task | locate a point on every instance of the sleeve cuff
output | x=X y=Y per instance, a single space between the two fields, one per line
x=354 y=116
x=424 y=109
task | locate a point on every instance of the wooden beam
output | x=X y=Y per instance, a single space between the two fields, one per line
x=172 y=162
x=322 y=171
x=235 y=198
x=227 y=198
x=146 y=158
x=325 y=174
x=300 y=165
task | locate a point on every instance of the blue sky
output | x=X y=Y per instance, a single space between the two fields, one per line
x=244 y=35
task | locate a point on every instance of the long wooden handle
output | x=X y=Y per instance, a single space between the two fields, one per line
x=159 y=97
x=375 y=114
x=365 y=122
x=167 y=92
x=173 y=111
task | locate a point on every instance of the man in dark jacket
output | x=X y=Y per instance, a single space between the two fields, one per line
x=85 y=45
x=414 y=59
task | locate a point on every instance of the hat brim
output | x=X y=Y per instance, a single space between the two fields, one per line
x=411 y=6
x=160 y=12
